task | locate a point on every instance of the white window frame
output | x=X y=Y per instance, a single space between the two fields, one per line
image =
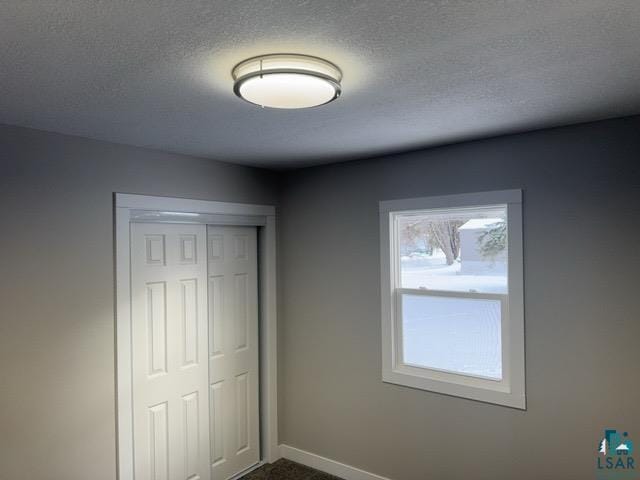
x=510 y=391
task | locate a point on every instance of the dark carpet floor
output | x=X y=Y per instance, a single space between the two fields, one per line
x=287 y=470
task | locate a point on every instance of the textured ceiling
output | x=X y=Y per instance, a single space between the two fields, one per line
x=156 y=73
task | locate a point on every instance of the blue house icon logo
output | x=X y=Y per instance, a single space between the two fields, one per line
x=615 y=454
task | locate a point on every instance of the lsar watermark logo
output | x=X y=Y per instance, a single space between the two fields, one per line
x=615 y=457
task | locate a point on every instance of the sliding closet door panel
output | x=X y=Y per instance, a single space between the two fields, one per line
x=233 y=349
x=170 y=344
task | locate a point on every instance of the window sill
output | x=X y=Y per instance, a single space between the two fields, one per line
x=499 y=394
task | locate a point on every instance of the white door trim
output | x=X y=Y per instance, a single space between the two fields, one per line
x=124 y=204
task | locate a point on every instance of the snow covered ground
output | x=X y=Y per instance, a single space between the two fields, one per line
x=453 y=334
x=459 y=335
x=432 y=272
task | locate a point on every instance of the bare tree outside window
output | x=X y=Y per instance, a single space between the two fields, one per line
x=427 y=235
x=446 y=237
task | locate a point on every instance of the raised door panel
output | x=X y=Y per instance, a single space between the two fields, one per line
x=155 y=249
x=241 y=317
x=158 y=442
x=216 y=319
x=217 y=398
x=189 y=319
x=156 y=323
x=191 y=419
x=188 y=249
x=242 y=412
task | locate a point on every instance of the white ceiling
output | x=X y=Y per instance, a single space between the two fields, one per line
x=156 y=73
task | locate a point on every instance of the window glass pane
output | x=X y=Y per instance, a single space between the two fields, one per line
x=460 y=335
x=462 y=250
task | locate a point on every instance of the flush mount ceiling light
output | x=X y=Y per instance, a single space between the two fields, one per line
x=287 y=81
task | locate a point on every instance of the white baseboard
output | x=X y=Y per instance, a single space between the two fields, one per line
x=347 y=472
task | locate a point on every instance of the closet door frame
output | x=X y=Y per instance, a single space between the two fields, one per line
x=130 y=208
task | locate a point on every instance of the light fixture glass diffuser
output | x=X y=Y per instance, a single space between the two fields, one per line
x=287 y=81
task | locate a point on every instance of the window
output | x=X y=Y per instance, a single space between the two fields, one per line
x=452 y=295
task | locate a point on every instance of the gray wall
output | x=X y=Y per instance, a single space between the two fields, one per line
x=581 y=207
x=57 y=405
x=582 y=262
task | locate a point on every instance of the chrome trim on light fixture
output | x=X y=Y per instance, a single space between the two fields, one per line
x=300 y=65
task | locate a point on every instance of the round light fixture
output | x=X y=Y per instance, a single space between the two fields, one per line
x=287 y=81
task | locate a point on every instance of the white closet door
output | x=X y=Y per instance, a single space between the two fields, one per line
x=169 y=341
x=233 y=350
